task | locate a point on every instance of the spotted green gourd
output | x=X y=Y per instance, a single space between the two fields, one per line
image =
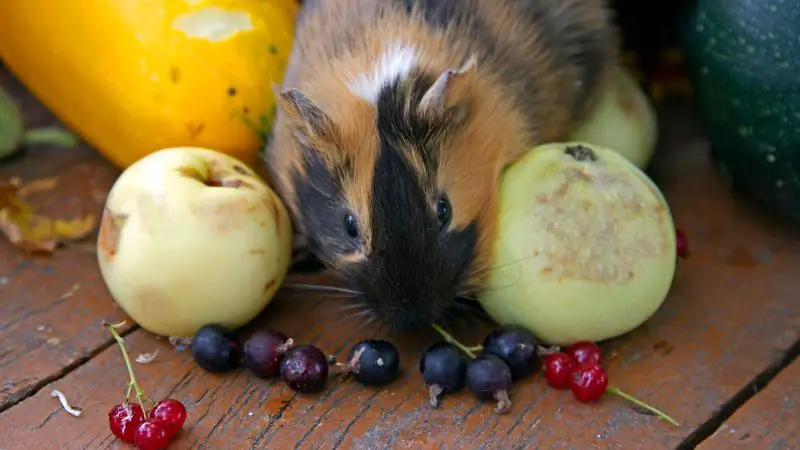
x=743 y=58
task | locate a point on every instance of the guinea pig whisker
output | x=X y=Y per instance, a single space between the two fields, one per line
x=321 y=287
x=484 y=270
x=362 y=314
x=367 y=318
x=299 y=294
x=350 y=307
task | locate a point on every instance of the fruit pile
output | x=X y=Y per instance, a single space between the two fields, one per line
x=304 y=368
x=508 y=353
x=130 y=421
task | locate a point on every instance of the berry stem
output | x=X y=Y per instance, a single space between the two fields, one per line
x=548 y=350
x=641 y=404
x=449 y=338
x=133 y=383
x=477 y=348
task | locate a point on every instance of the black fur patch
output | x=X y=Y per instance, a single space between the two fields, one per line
x=438 y=13
x=321 y=204
x=414 y=268
x=396 y=125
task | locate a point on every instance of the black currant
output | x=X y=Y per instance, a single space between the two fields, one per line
x=489 y=378
x=516 y=346
x=215 y=348
x=443 y=369
x=304 y=368
x=263 y=352
x=373 y=362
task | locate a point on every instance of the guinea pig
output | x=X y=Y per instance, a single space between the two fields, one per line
x=396 y=118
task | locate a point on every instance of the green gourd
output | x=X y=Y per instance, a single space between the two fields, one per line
x=743 y=59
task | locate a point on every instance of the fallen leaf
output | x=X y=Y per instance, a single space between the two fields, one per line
x=44 y=184
x=31 y=232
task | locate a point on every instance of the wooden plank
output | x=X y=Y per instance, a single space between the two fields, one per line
x=771 y=420
x=50 y=304
x=731 y=312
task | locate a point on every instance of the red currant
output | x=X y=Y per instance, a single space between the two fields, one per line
x=124 y=419
x=557 y=369
x=170 y=414
x=151 y=436
x=585 y=352
x=588 y=382
x=682 y=243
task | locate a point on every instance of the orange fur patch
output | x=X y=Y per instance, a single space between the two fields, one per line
x=496 y=134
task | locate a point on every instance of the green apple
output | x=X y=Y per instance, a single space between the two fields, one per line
x=585 y=246
x=623 y=120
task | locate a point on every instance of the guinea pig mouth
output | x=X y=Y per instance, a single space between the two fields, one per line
x=412 y=317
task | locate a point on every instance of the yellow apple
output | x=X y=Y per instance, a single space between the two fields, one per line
x=191 y=236
x=585 y=247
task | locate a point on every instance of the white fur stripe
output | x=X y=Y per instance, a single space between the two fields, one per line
x=396 y=62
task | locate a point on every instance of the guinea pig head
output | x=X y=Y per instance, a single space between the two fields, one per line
x=383 y=195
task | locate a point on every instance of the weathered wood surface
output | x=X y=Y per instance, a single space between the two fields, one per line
x=50 y=305
x=771 y=420
x=731 y=314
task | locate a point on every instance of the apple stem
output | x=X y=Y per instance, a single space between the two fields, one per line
x=449 y=338
x=133 y=383
x=641 y=404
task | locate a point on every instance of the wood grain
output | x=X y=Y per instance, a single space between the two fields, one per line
x=731 y=313
x=50 y=304
x=768 y=421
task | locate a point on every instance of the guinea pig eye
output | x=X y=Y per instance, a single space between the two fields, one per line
x=443 y=212
x=350 y=225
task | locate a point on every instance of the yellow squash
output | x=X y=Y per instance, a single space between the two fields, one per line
x=135 y=76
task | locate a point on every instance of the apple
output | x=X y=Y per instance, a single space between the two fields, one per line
x=191 y=236
x=623 y=120
x=585 y=247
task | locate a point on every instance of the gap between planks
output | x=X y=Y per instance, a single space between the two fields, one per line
x=750 y=390
x=32 y=390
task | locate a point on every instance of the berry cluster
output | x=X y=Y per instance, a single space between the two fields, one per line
x=580 y=369
x=509 y=353
x=304 y=368
x=130 y=421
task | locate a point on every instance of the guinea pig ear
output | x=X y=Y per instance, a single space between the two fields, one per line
x=311 y=123
x=449 y=93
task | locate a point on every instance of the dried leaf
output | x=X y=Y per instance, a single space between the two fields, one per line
x=44 y=184
x=29 y=231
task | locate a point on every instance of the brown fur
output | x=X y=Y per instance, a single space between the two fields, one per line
x=333 y=43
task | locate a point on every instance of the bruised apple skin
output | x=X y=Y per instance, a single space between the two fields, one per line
x=623 y=120
x=191 y=236
x=585 y=247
